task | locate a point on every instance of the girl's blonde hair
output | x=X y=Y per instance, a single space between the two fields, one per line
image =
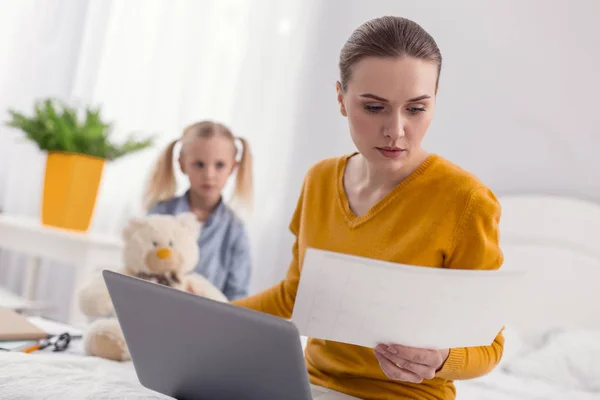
x=162 y=185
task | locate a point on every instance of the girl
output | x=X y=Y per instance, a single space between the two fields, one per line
x=208 y=158
x=394 y=201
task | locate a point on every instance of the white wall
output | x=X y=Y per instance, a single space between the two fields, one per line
x=517 y=104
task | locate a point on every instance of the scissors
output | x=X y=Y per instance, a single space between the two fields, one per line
x=60 y=343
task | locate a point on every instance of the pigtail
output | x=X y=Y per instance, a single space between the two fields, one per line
x=243 y=192
x=162 y=184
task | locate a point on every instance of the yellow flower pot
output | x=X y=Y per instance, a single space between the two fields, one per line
x=70 y=189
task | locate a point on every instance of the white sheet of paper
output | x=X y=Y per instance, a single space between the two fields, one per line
x=364 y=302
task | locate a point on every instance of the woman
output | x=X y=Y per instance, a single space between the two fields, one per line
x=392 y=201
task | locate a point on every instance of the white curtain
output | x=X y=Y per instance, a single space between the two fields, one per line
x=154 y=66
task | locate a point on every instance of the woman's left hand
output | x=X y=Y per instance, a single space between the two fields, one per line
x=410 y=364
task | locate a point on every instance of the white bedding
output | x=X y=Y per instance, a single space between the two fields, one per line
x=52 y=376
x=60 y=376
x=500 y=385
x=563 y=366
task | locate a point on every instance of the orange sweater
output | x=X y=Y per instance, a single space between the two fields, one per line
x=440 y=216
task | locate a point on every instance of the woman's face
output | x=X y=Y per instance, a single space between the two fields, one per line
x=389 y=103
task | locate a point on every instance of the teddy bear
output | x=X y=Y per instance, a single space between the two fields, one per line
x=158 y=248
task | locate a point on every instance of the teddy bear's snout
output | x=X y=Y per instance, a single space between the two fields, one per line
x=163 y=259
x=163 y=253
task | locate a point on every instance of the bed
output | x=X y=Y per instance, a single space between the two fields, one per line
x=552 y=348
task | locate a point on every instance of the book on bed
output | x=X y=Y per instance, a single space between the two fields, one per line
x=15 y=327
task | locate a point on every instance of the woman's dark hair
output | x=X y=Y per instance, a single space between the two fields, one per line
x=388 y=37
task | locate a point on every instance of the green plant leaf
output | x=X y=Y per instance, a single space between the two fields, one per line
x=55 y=127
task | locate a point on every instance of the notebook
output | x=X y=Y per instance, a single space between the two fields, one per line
x=16 y=345
x=15 y=327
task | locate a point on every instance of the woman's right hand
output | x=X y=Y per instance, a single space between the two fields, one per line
x=409 y=364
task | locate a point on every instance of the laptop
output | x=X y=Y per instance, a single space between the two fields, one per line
x=189 y=347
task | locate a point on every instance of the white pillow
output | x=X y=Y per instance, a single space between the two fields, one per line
x=570 y=359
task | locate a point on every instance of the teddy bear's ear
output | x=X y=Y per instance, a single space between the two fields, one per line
x=132 y=225
x=190 y=222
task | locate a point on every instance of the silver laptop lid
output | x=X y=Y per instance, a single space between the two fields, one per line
x=189 y=347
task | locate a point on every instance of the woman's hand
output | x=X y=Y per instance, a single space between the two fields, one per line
x=409 y=364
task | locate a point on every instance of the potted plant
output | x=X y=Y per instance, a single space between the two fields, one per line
x=77 y=148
